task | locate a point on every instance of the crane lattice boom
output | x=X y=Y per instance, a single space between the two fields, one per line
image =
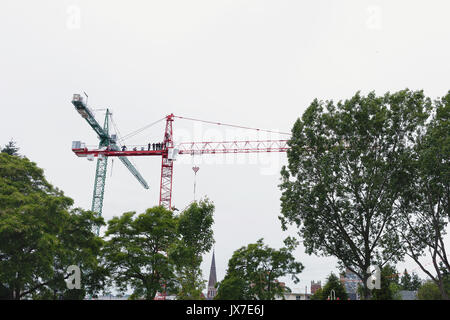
x=195 y=148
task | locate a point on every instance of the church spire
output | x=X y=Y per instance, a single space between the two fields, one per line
x=212 y=279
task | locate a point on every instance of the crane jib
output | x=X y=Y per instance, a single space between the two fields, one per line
x=87 y=114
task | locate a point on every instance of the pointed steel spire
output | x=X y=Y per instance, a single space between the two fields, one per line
x=212 y=291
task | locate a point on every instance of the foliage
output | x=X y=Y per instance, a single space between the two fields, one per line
x=424 y=204
x=233 y=287
x=319 y=295
x=410 y=282
x=11 y=149
x=136 y=252
x=429 y=291
x=40 y=236
x=333 y=289
x=253 y=272
x=196 y=238
x=389 y=289
x=346 y=169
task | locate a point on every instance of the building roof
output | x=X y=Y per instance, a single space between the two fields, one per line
x=408 y=295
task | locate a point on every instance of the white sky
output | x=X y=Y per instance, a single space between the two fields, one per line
x=253 y=63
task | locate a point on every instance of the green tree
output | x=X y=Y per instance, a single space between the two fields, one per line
x=78 y=245
x=345 y=172
x=233 y=287
x=11 y=149
x=81 y=246
x=195 y=238
x=333 y=289
x=425 y=198
x=253 y=272
x=136 y=252
x=429 y=291
x=319 y=295
x=40 y=236
x=445 y=279
x=390 y=286
x=416 y=282
x=405 y=280
x=410 y=282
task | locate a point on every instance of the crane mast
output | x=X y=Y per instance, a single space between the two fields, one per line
x=165 y=194
x=100 y=174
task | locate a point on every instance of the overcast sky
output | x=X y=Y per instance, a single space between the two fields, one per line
x=252 y=63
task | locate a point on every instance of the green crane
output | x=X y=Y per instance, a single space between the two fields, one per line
x=106 y=141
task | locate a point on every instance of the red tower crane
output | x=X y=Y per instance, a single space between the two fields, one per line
x=169 y=152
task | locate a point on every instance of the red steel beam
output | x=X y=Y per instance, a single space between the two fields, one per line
x=194 y=148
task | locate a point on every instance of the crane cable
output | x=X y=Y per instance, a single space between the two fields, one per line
x=121 y=139
x=132 y=134
x=231 y=125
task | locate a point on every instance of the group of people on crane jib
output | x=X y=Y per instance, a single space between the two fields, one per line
x=151 y=146
x=157 y=146
x=124 y=148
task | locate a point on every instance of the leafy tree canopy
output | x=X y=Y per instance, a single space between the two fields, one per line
x=410 y=282
x=425 y=211
x=41 y=236
x=333 y=289
x=11 y=149
x=194 y=228
x=390 y=286
x=346 y=169
x=253 y=272
x=136 y=251
x=429 y=291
